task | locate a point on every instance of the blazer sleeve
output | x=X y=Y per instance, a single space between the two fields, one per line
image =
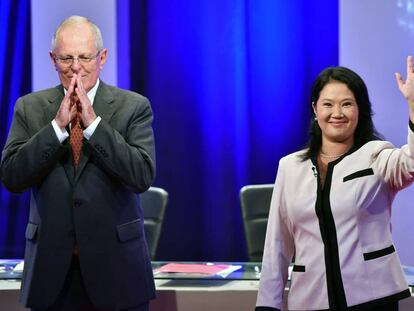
x=129 y=158
x=28 y=157
x=278 y=250
x=397 y=165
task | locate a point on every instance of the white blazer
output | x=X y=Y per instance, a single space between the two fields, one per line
x=340 y=235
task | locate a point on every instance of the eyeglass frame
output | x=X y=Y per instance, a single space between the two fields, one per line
x=82 y=60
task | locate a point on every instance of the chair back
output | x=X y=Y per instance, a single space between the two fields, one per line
x=154 y=202
x=255 y=204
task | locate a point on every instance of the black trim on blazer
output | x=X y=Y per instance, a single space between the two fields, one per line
x=379 y=253
x=361 y=173
x=335 y=287
x=411 y=124
x=370 y=305
x=336 y=292
x=266 y=309
x=298 y=268
x=381 y=301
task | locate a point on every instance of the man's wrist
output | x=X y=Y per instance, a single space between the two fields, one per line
x=61 y=126
x=88 y=132
x=61 y=134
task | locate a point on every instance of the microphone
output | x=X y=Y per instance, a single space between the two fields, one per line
x=315 y=171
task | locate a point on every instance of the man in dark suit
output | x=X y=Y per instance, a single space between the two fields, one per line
x=85 y=247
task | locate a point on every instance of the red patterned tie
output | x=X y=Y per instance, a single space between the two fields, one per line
x=76 y=139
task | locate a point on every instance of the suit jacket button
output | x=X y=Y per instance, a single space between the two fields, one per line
x=77 y=203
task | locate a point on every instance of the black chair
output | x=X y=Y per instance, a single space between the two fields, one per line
x=154 y=202
x=255 y=204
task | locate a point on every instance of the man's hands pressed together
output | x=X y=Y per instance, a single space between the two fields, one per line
x=75 y=102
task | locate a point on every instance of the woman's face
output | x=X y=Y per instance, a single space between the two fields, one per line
x=337 y=113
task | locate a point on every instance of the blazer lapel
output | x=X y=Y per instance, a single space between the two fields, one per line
x=103 y=108
x=103 y=102
x=54 y=99
x=68 y=166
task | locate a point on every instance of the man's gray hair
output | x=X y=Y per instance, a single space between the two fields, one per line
x=79 y=20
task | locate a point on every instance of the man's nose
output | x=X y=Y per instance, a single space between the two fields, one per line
x=75 y=66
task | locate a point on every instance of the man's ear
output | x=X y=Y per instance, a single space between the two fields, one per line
x=52 y=58
x=102 y=58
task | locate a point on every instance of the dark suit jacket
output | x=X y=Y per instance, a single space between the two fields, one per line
x=98 y=208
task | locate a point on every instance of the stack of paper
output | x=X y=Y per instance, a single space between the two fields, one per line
x=203 y=269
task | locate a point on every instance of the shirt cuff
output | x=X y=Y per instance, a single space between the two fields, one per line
x=62 y=135
x=88 y=132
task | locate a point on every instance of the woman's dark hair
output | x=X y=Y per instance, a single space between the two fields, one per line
x=365 y=130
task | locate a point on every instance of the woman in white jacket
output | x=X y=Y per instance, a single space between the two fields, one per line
x=331 y=206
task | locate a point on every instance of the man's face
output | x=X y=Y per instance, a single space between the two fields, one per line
x=77 y=41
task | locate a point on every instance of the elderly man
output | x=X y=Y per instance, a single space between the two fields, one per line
x=85 y=149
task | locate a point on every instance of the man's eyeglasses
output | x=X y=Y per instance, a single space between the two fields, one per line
x=69 y=59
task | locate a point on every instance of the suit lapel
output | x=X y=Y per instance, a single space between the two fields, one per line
x=103 y=108
x=54 y=100
x=103 y=102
